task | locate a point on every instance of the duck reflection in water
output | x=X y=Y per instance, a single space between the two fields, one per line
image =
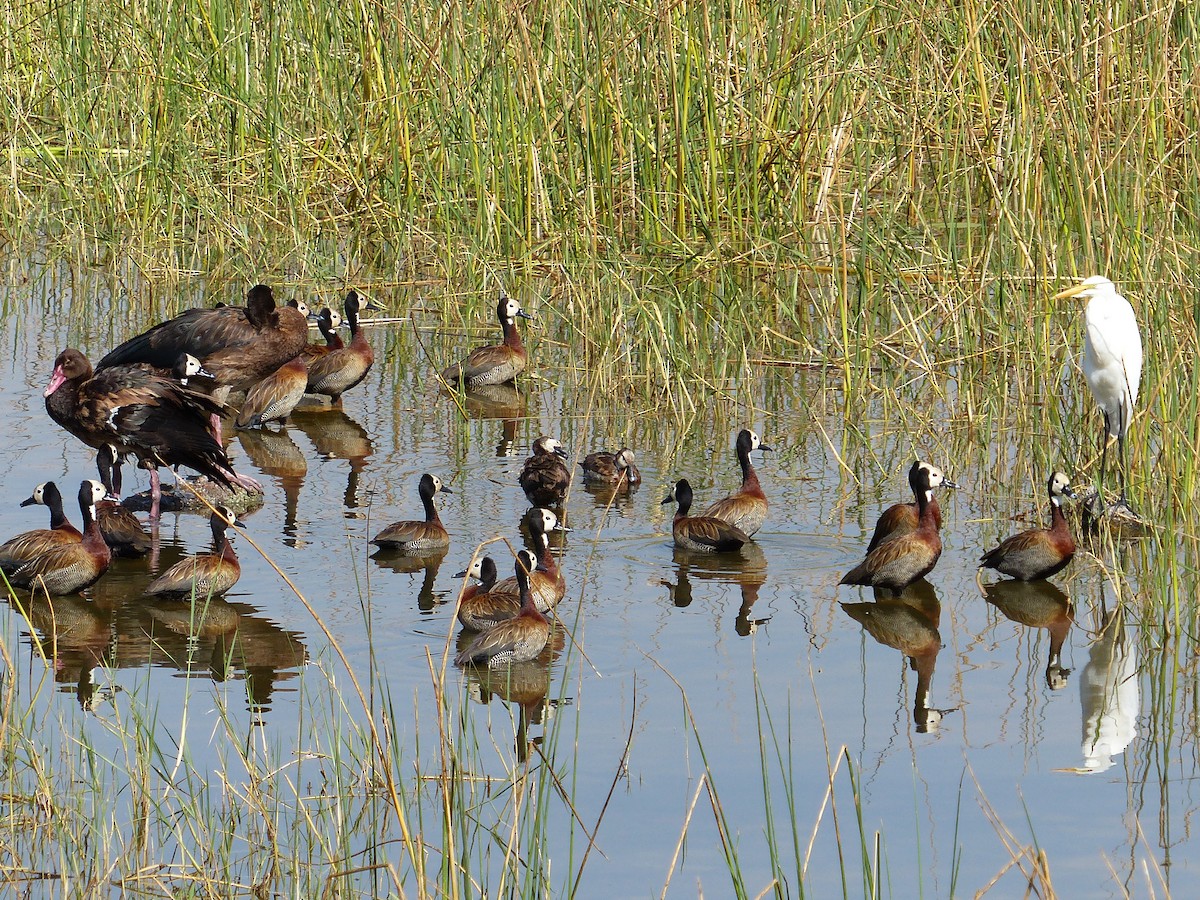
x=218 y=638
x=74 y=636
x=747 y=571
x=275 y=454
x=1037 y=604
x=410 y=564
x=1109 y=694
x=525 y=685
x=494 y=401
x=337 y=436
x=909 y=623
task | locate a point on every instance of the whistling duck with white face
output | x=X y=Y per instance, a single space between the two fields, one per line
x=703 y=533
x=495 y=363
x=28 y=545
x=546 y=582
x=415 y=536
x=747 y=508
x=60 y=561
x=902 y=517
x=328 y=321
x=1039 y=552
x=518 y=639
x=483 y=570
x=335 y=372
x=611 y=468
x=206 y=574
x=131 y=409
x=897 y=563
x=544 y=478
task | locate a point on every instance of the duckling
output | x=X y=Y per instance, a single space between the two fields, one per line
x=65 y=563
x=902 y=517
x=897 y=563
x=544 y=478
x=412 y=536
x=495 y=363
x=206 y=574
x=747 y=508
x=611 y=468
x=1039 y=552
x=706 y=533
x=518 y=639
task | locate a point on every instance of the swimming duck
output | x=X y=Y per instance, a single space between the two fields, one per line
x=544 y=478
x=415 y=536
x=335 y=372
x=747 y=508
x=706 y=533
x=611 y=468
x=518 y=639
x=495 y=363
x=902 y=517
x=60 y=561
x=205 y=574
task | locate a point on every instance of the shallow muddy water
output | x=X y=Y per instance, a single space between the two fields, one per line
x=782 y=670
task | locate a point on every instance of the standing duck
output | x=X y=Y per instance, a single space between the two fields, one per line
x=414 y=536
x=1039 y=552
x=897 y=563
x=274 y=398
x=206 y=574
x=706 y=533
x=544 y=478
x=611 y=468
x=134 y=410
x=519 y=639
x=63 y=564
x=747 y=509
x=335 y=372
x=495 y=363
x=902 y=517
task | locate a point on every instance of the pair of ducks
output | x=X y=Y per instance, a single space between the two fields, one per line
x=729 y=523
x=907 y=544
x=62 y=560
x=545 y=477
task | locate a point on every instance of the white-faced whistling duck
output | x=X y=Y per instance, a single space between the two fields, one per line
x=29 y=545
x=415 y=536
x=328 y=321
x=518 y=639
x=335 y=372
x=544 y=478
x=122 y=530
x=1038 y=552
x=60 y=566
x=902 y=517
x=495 y=363
x=747 y=509
x=547 y=582
x=134 y=410
x=897 y=563
x=611 y=468
x=205 y=574
x=274 y=398
x=705 y=533
x=483 y=570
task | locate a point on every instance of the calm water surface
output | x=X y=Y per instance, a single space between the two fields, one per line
x=764 y=634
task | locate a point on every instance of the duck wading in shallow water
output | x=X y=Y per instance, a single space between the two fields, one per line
x=1039 y=552
x=495 y=363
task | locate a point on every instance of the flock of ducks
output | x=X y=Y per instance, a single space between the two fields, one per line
x=159 y=398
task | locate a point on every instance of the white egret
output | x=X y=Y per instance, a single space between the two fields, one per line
x=1112 y=360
